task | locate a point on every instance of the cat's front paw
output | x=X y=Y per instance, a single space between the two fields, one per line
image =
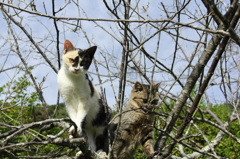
x=79 y=132
x=102 y=155
x=73 y=133
x=154 y=155
x=71 y=130
x=79 y=154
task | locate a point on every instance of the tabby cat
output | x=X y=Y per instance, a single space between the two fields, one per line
x=135 y=123
x=82 y=100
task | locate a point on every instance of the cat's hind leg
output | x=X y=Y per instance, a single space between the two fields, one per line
x=147 y=142
x=91 y=140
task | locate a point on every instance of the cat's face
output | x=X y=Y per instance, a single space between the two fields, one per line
x=77 y=61
x=143 y=95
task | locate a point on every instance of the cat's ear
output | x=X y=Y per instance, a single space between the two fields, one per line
x=156 y=86
x=138 y=87
x=91 y=51
x=68 y=46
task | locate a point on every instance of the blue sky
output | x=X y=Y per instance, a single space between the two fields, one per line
x=43 y=31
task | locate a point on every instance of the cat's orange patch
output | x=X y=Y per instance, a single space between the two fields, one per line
x=68 y=46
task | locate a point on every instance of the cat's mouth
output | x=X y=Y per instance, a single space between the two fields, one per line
x=76 y=72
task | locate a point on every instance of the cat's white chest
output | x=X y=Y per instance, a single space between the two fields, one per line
x=73 y=89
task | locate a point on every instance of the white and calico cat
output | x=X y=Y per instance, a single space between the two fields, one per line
x=82 y=100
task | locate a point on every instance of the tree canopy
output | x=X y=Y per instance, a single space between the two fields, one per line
x=190 y=47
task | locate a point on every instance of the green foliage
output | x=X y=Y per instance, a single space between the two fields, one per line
x=227 y=147
x=17 y=101
x=20 y=105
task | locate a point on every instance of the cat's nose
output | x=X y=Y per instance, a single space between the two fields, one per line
x=76 y=69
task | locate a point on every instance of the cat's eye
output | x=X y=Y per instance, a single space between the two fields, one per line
x=145 y=100
x=83 y=62
x=71 y=60
x=154 y=102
